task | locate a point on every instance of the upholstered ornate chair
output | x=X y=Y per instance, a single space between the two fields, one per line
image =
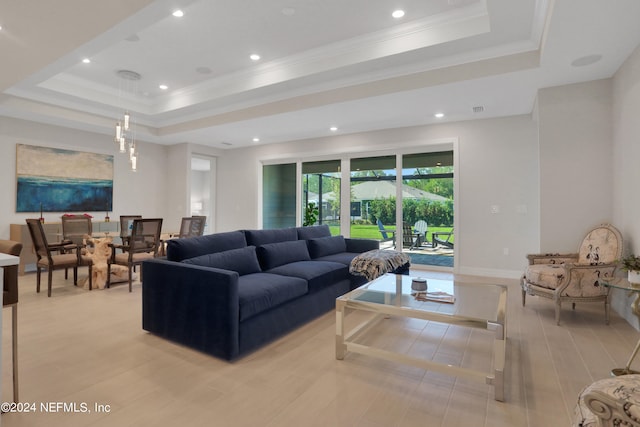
x=47 y=257
x=575 y=277
x=609 y=402
x=10 y=299
x=144 y=243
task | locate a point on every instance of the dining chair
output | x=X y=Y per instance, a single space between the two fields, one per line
x=126 y=224
x=144 y=243
x=46 y=257
x=76 y=229
x=10 y=299
x=192 y=226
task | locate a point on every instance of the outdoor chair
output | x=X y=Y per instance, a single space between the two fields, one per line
x=144 y=243
x=10 y=299
x=421 y=227
x=387 y=235
x=47 y=258
x=575 y=277
x=442 y=238
x=410 y=239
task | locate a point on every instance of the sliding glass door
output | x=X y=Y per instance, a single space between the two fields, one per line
x=411 y=212
x=373 y=198
x=427 y=207
x=321 y=194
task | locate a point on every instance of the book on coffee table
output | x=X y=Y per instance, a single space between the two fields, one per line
x=434 y=296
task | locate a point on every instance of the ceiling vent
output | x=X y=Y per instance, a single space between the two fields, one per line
x=478 y=109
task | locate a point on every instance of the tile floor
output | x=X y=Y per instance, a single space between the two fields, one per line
x=80 y=347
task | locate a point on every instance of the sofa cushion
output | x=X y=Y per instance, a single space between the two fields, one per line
x=260 y=292
x=313 y=232
x=243 y=261
x=318 y=274
x=342 y=257
x=263 y=237
x=324 y=246
x=275 y=254
x=179 y=249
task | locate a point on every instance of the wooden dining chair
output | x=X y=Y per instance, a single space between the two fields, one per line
x=192 y=226
x=143 y=243
x=47 y=257
x=76 y=229
x=126 y=224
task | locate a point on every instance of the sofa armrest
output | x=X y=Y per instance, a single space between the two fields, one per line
x=193 y=305
x=361 y=245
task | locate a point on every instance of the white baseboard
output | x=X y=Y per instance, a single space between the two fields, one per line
x=489 y=272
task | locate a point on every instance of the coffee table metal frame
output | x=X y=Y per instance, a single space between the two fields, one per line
x=393 y=306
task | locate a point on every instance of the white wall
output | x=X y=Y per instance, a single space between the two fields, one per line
x=576 y=162
x=504 y=162
x=133 y=192
x=498 y=166
x=626 y=173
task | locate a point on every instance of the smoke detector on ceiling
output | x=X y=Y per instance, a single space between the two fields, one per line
x=128 y=75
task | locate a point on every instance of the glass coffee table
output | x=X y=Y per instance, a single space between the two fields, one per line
x=475 y=306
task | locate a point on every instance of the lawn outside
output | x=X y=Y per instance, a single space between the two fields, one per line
x=362 y=231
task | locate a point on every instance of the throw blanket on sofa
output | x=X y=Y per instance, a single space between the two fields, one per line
x=375 y=263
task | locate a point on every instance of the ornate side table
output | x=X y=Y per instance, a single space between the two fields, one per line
x=623 y=283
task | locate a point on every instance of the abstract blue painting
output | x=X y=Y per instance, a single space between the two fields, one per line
x=57 y=180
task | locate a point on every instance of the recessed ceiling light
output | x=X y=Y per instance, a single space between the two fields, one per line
x=398 y=13
x=204 y=70
x=256 y=140
x=333 y=128
x=254 y=57
x=438 y=115
x=163 y=87
x=86 y=61
x=178 y=13
x=288 y=11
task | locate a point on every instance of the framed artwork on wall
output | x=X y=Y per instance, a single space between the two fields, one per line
x=57 y=180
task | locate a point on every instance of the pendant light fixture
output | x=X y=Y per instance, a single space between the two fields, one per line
x=125 y=136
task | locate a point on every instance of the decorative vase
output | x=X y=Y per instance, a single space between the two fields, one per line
x=634 y=276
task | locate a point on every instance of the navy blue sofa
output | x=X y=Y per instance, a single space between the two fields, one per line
x=227 y=294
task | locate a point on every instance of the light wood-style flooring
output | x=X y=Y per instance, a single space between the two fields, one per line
x=88 y=347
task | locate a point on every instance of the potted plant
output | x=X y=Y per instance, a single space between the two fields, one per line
x=310 y=214
x=631 y=263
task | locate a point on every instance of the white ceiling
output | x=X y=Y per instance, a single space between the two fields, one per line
x=323 y=62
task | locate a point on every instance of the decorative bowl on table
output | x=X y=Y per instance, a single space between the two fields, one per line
x=419 y=284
